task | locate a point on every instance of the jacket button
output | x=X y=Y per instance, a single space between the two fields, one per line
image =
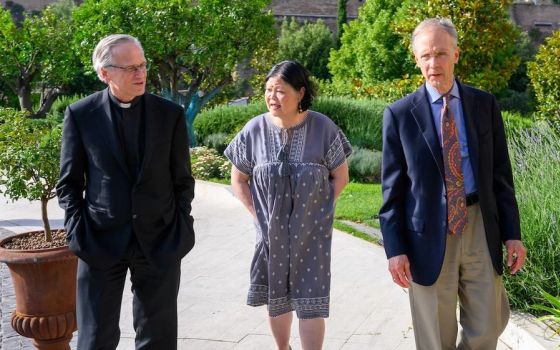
x=134 y=216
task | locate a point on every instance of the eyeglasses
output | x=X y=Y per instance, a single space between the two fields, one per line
x=438 y=55
x=142 y=67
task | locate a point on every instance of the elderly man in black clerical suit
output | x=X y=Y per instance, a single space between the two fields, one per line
x=126 y=186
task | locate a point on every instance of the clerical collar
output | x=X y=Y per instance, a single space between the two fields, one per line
x=123 y=105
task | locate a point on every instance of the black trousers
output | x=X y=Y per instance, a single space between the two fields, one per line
x=99 y=297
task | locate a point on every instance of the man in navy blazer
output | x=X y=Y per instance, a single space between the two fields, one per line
x=128 y=151
x=437 y=267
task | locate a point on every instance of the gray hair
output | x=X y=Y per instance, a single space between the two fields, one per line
x=442 y=23
x=102 y=55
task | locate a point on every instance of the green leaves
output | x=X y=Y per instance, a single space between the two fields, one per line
x=309 y=44
x=553 y=311
x=371 y=50
x=535 y=161
x=36 y=56
x=376 y=51
x=29 y=159
x=208 y=164
x=192 y=44
x=359 y=119
x=545 y=77
x=29 y=156
x=487 y=37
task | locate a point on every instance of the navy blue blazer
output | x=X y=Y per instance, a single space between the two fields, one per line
x=104 y=205
x=413 y=215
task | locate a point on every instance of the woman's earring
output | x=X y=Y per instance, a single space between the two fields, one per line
x=300 y=110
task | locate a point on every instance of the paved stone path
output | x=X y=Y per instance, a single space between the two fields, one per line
x=368 y=311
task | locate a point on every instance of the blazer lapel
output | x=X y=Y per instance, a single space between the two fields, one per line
x=107 y=130
x=470 y=113
x=422 y=113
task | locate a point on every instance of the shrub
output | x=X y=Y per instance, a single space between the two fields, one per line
x=535 y=155
x=337 y=88
x=208 y=164
x=60 y=104
x=387 y=90
x=365 y=165
x=526 y=50
x=225 y=119
x=515 y=101
x=359 y=119
x=218 y=141
x=545 y=77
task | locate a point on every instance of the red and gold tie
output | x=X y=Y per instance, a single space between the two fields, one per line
x=454 y=183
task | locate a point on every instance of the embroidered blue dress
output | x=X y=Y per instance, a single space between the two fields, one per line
x=293 y=199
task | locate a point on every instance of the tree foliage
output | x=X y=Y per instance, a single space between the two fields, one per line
x=194 y=46
x=487 y=37
x=29 y=159
x=376 y=52
x=308 y=44
x=36 y=56
x=341 y=19
x=371 y=51
x=545 y=78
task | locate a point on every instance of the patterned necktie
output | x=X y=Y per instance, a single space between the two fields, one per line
x=454 y=183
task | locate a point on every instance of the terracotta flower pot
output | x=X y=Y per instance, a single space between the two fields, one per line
x=45 y=286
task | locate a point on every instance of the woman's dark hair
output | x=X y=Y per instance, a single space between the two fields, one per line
x=297 y=76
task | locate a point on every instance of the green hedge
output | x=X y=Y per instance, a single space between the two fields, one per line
x=225 y=119
x=359 y=119
x=515 y=123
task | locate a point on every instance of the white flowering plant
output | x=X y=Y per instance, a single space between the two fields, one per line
x=208 y=164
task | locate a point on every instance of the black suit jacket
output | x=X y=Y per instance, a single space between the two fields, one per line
x=156 y=208
x=413 y=216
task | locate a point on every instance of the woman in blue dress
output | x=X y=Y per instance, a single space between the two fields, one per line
x=289 y=167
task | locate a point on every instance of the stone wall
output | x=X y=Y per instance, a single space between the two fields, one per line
x=528 y=14
x=29 y=5
x=327 y=8
x=545 y=18
x=313 y=10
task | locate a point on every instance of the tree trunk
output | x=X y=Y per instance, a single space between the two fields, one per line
x=46 y=103
x=195 y=105
x=24 y=96
x=44 y=216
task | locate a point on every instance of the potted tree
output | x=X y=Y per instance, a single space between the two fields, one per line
x=42 y=267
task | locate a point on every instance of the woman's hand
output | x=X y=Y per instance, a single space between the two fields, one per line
x=240 y=187
x=340 y=178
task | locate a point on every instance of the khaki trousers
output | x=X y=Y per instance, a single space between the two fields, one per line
x=467 y=275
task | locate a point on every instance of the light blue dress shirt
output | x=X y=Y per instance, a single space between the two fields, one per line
x=436 y=103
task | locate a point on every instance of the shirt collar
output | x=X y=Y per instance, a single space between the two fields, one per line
x=435 y=95
x=123 y=105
